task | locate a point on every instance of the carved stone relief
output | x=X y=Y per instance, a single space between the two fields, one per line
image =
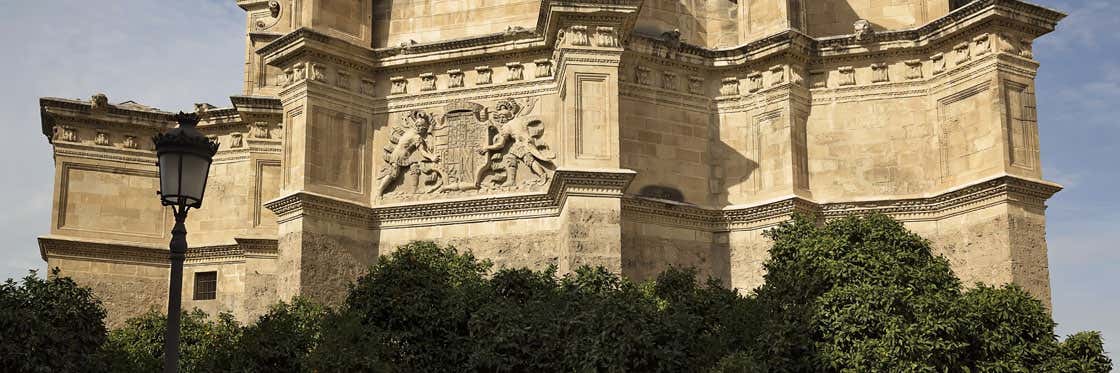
x=914 y=69
x=880 y=73
x=367 y=87
x=983 y=44
x=236 y=141
x=265 y=21
x=606 y=37
x=729 y=87
x=399 y=85
x=695 y=85
x=259 y=130
x=99 y=102
x=544 y=68
x=579 y=36
x=485 y=75
x=963 y=53
x=669 y=80
x=130 y=142
x=863 y=30
x=847 y=76
x=69 y=134
x=516 y=71
x=427 y=82
x=343 y=80
x=470 y=148
x=455 y=78
x=754 y=82
x=102 y=138
x=777 y=75
x=938 y=63
x=642 y=75
x=318 y=72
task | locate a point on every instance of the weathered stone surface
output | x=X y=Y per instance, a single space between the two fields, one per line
x=656 y=133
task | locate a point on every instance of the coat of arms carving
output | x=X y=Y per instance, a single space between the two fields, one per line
x=469 y=148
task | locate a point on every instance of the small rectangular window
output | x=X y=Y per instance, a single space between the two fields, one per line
x=205 y=285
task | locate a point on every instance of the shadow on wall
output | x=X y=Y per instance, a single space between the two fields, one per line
x=833 y=17
x=711 y=23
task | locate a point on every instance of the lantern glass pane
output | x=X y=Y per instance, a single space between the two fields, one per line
x=195 y=169
x=169 y=174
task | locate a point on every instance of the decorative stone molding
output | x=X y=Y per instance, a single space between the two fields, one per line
x=913 y=69
x=643 y=76
x=367 y=87
x=754 y=82
x=455 y=78
x=1005 y=189
x=669 y=80
x=777 y=75
x=606 y=37
x=342 y=80
x=485 y=75
x=847 y=76
x=79 y=248
x=982 y=44
x=130 y=142
x=516 y=71
x=963 y=52
x=880 y=73
x=427 y=82
x=102 y=139
x=544 y=68
x=729 y=87
x=696 y=85
x=399 y=85
x=938 y=63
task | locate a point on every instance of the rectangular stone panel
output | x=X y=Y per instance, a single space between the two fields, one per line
x=1021 y=126
x=592 y=131
x=964 y=135
x=267 y=189
x=101 y=199
x=336 y=150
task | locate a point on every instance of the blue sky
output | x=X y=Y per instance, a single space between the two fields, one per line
x=171 y=54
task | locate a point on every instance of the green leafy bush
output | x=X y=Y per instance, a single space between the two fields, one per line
x=205 y=345
x=49 y=325
x=851 y=295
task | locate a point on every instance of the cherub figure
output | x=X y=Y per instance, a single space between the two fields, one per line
x=408 y=150
x=521 y=134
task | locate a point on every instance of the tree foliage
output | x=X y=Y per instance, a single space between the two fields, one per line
x=49 y=325
x=850 y=295
x=865 y=294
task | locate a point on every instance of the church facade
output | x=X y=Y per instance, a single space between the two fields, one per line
x=631 y=134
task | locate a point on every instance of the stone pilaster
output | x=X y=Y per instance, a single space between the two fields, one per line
x=327 y=182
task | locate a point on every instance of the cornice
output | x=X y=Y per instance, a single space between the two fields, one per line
x=1029 y=192
x=565 y=182
x=77 y=248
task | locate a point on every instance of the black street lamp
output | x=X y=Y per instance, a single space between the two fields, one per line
x=184 y=157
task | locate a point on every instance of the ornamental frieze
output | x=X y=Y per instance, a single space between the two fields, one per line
x=468 y=149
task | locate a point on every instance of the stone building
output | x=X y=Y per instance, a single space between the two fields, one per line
x=633 y=134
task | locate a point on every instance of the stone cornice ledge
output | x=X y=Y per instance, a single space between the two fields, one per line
x=81 y=248
x=998 y=189
x=565 y=182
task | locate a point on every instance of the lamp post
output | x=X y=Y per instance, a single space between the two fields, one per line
x=184 y=157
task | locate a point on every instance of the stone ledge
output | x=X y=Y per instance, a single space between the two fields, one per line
x=565 y=182
x=75 y=248
x=954 y=201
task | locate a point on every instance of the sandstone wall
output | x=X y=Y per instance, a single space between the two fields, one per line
x=668 y=146
x=424 y=21
x=125 y=290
